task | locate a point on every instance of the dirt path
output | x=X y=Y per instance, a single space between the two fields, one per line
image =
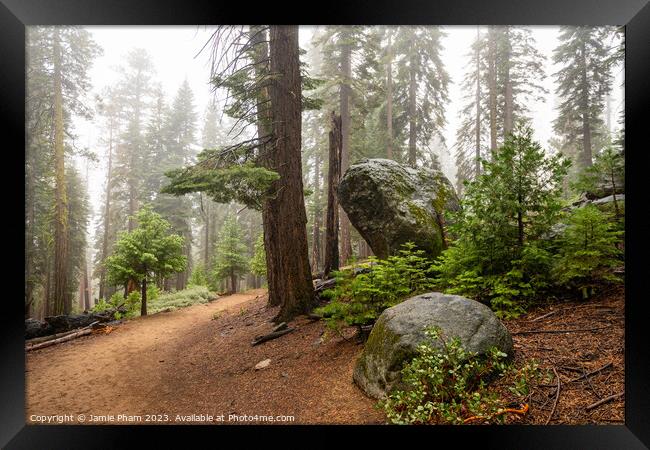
x=184 y=363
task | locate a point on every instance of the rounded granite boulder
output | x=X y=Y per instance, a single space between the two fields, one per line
x=399 y=330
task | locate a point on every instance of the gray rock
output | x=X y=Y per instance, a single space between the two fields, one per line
x=391 y=204
x=399 y=330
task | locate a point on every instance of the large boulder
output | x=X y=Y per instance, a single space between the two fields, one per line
x=391 y=204
x=399 y=330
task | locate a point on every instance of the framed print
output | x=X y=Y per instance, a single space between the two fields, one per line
x=372 y=216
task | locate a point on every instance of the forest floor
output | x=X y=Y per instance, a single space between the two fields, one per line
x=199 y=360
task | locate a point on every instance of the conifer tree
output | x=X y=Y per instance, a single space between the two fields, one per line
x=146 y=252
x=230 y=254
x=420 y=85
x=582 y=84
x=58 y=60
x=263 y=172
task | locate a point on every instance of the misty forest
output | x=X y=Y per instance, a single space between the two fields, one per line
x=325 y=224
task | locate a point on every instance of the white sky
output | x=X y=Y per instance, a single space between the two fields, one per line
x=173 y=50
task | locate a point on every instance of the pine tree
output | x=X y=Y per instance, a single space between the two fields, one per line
x=58 y=59
x=146 y=252
x=588 y=251
x=135 y=96
x=420 y=85
x=263 y=172
x=499 y=255
x=582 y=83
x=230 y=260
x=258 y=262
x=179 y=129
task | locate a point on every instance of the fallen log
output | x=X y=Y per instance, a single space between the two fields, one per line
x=69 y=337
x=274 y=335
x=60 y=324
x=38 y=340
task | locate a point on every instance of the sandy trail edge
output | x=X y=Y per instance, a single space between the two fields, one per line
x=94 y=374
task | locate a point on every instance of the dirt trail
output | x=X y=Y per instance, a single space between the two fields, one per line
x=184 y=362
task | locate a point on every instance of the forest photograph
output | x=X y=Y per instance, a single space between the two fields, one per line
x=333 y=224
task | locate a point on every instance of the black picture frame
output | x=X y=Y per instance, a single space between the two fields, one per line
x=634 y=14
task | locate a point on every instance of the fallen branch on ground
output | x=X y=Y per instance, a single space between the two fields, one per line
x=523 y=410
x=605 y=400
x=50 y=337
x=557 y=397
x=609 y=364
x=68 y=337
x=270 y=336
x=545 y=315
x=579 y=330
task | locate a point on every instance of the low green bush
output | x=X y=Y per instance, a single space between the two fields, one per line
x=360 y=299
x=178 y=299
x=450 y=386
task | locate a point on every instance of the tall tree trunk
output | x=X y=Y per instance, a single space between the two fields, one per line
x=389 y=100
x=206 y=254
x=133 y=200
x=292 y=279
x=60 y=306
x=47 y=304
x=29 y=236
x=107 y=212
x=492 y=85
x=508 y=119
x=143 y=302
x=586 y=117
x=233 y=281
x=315 y=261
x=477 y=167
x=345 y=94
x=332 y=222
x=270 y=222
x=412 y=112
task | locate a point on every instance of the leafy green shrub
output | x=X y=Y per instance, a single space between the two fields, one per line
x=588 y=251
x=508 y=293
x=152 y=292
x=359 y=300
x=450 y=386
x=180 y=299
x=501 y=256
x=198 y=277
x=101 y=306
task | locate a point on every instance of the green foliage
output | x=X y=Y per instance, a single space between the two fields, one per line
x=131 y=303
x=608 y=170
x=499 y=256
x=152 y=292
x=101 y=306
x=180 y=299
x=146 y=250
x=258 y=262
x=359 y=300
x=588 y=250
x=246 y=183
x=446 y=386
x=230 y=251
x=198 y=277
